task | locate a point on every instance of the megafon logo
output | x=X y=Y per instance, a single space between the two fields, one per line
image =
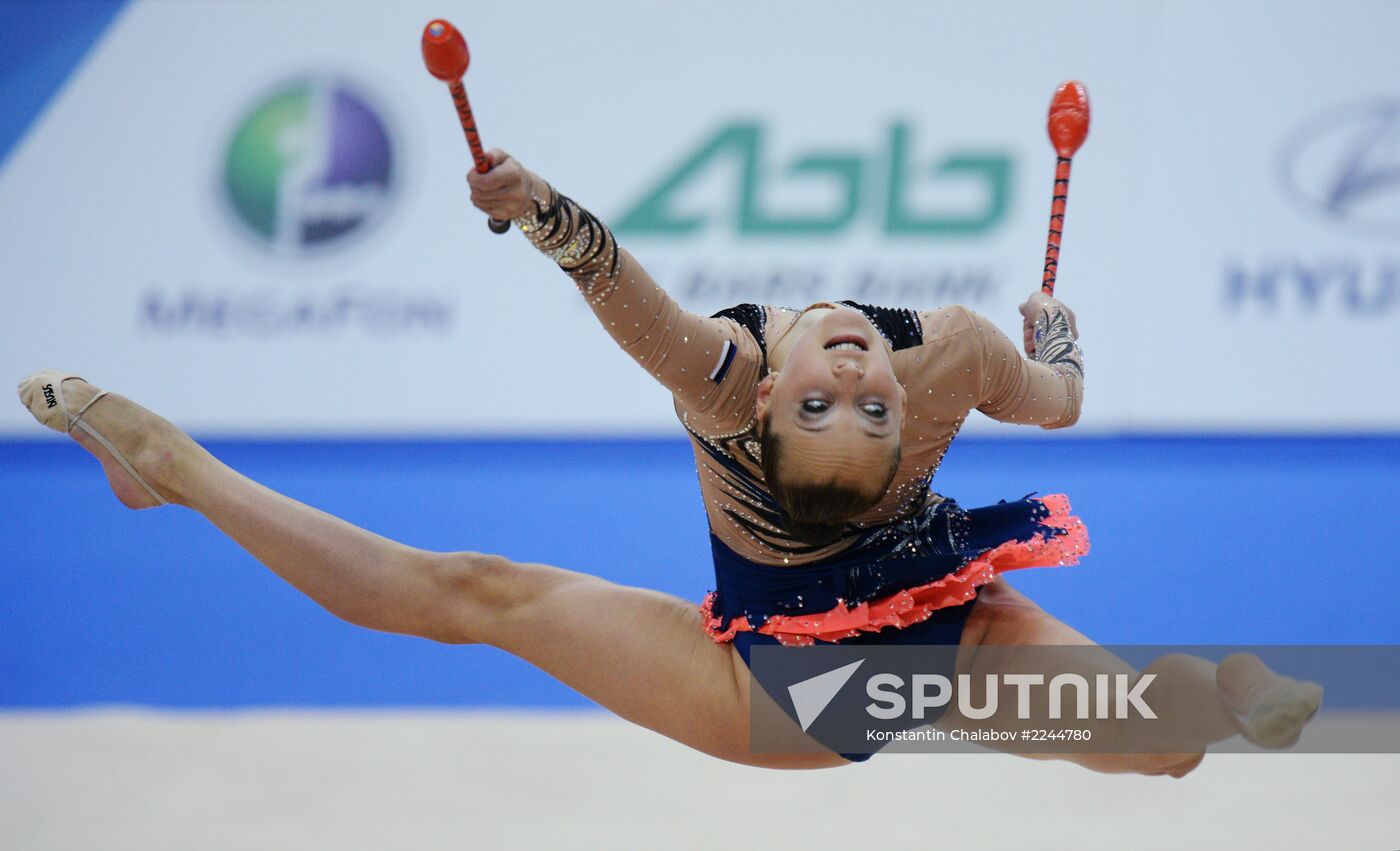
x=308 y=166
x=1344 y=164
x=967 y=192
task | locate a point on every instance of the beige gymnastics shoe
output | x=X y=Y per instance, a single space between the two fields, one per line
x=45 y=395
x=1271 y=709
x=1277 y=719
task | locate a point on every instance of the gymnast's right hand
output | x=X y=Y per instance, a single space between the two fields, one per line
x=505 y=192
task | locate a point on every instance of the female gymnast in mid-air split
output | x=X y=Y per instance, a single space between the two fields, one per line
x=816 y=434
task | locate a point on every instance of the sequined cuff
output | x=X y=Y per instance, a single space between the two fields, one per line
x=1055 y=345
x=530 y=223
x=576 y=240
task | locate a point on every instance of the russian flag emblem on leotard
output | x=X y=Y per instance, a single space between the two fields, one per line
x=726 y=357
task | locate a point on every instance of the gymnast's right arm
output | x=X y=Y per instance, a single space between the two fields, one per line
x=705 y=362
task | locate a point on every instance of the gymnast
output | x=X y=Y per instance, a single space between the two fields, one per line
x=816 y=434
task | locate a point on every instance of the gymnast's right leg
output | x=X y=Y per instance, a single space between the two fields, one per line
x=639 y=653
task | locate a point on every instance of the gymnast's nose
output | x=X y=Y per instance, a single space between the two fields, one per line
x=847 y=368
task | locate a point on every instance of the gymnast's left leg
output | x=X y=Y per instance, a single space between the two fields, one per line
x=641 y=654
x=1207 y=703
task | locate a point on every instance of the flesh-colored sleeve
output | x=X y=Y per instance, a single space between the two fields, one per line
x=1046 y=390
x=710 y=365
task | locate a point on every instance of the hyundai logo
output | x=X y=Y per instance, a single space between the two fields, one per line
x=1344 y=165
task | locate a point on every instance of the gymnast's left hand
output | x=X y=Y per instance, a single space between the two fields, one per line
x=505 y=192
x=1040 y=303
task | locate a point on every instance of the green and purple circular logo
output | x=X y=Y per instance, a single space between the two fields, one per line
x=310 y=165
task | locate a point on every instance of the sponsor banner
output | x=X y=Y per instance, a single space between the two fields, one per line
x=1032 y=699
x=256 y=231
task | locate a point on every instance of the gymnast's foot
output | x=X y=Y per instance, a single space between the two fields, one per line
x=1272 y=709
x=140 y=452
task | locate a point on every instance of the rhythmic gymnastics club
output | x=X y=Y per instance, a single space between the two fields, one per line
x=1067 y=124
x=445 y=54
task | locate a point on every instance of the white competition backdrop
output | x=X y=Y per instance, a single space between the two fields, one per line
x=1232 y=246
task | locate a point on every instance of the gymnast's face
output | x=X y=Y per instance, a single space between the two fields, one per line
x=833 y=398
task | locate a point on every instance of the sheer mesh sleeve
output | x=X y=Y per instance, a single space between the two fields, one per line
x=710 y=365
x=1046 y=390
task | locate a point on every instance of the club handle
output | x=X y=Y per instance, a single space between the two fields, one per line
x=483 y=165
x=1057 y=225
x=464 y=115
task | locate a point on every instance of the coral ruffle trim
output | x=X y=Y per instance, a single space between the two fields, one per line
x=913 y=605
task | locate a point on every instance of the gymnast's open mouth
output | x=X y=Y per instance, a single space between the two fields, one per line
x=847 y=342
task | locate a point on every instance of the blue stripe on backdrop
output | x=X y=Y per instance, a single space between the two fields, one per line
x=41 y=42
x=1196 y=540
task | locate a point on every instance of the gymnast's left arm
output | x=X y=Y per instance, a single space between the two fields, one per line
x=703 y=361
x=1047 y=387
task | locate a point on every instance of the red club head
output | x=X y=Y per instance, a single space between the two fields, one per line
x=445 y=51
x=1068 y=123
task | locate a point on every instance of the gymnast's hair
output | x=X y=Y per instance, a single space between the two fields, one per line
x=816 y=513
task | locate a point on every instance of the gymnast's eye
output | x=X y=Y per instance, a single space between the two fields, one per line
x=815 y=406
x=874 y=410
